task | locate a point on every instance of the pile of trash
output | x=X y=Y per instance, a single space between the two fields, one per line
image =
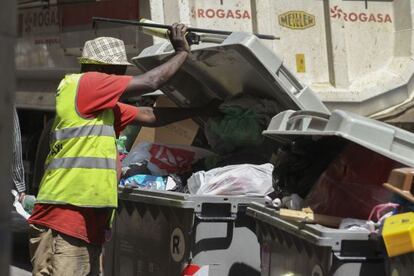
x=236 y=164
x=343 y=188
x=170 y=167
x=337 y=183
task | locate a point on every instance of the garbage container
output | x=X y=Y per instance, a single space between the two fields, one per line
x=401 y=265
x=289 y=246
x=161 y=232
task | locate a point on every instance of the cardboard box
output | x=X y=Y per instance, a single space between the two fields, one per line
x=180 y=133
x=308 y=216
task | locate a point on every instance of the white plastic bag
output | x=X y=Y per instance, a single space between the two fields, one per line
x=19 y=207
x=165 y=159
x=246 y=179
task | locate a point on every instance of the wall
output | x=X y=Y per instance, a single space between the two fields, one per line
x=7 y=39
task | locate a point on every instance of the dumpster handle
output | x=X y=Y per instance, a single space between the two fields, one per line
x=201 y=218
x=354 y=258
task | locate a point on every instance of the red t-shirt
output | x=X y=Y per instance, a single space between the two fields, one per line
x=96 y=92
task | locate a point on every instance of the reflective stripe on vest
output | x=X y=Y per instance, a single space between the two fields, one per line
x=82 y=162
x=93 y=130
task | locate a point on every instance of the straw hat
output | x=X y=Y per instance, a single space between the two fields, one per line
x=400 y=182
x=104 y=50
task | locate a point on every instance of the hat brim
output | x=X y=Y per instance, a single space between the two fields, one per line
x=83 y=60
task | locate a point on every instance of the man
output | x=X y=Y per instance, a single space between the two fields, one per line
x=78 y=191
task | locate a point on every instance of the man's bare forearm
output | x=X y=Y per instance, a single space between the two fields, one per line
x=156 y=117
x=155 y=78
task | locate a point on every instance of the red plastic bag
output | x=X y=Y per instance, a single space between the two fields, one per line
x=163 y=159
x=171 y=159
x=352 y=184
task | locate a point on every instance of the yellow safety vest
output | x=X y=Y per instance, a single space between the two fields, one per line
x=81 y=167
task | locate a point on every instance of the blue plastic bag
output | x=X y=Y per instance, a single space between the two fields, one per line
x=144 y=181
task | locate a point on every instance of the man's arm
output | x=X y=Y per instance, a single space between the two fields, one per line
x=156 y=117
x=17 y=165
x=157 y=77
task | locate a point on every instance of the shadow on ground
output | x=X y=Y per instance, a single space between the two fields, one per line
x=20 y=251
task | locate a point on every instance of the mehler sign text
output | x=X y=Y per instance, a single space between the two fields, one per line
x=296 y=20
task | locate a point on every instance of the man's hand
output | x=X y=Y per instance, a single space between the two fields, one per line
x=177 y=38
x=157 y=77
x=21 y=196
x=161 y=116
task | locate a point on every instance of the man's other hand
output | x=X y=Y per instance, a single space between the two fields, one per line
x=177 y=37
x=21 y=196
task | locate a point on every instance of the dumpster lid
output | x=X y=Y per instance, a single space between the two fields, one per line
x=240 y=64
x=385 y=139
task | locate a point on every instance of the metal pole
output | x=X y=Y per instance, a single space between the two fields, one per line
x=7 y=79
x=162 y=26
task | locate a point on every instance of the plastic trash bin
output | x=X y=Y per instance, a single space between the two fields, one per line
x=401 y=265
x=290 y=247
x=161 y=232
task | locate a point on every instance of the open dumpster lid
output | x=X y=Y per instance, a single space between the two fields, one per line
x=380 y=137
x=240 y=64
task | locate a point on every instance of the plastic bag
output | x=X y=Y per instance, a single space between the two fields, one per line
x=144 y=181
x=149 y=182
x=359 y=225
x=300 y=164
x=264 y=109
x=235 y=129
x=352 y=184
x=26 y=207
x=246 y=179
x=165 y=159
x=120 y=144
x=242 y=124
